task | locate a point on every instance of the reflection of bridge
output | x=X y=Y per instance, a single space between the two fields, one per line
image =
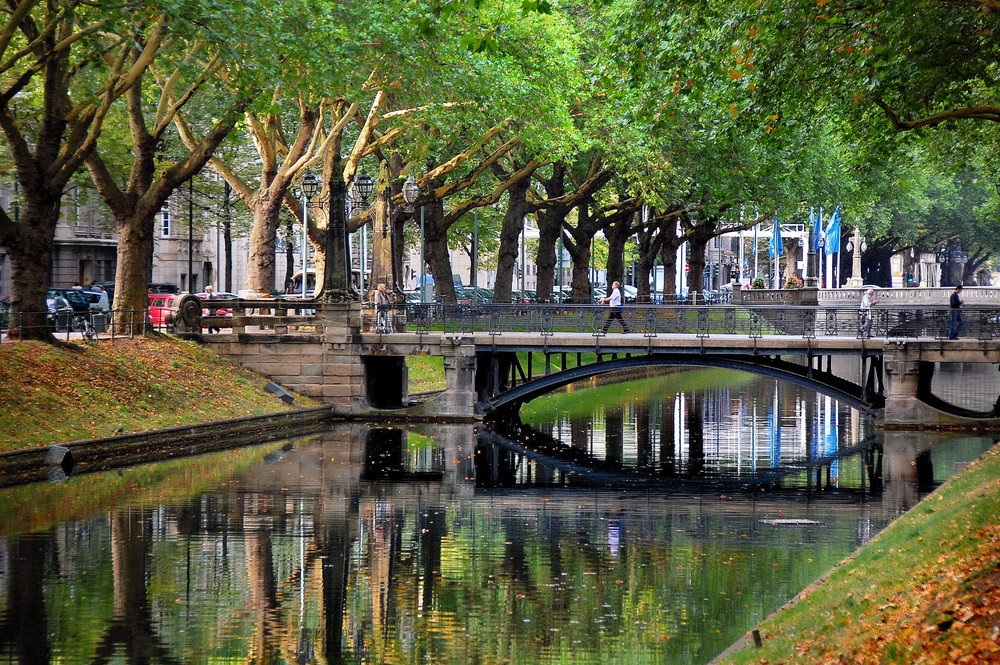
x=499 y=455
x=499 y=356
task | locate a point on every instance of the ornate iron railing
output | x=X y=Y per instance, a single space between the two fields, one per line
x=547 y=320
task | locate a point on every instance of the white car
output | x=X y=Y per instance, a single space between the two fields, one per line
x=99 y=303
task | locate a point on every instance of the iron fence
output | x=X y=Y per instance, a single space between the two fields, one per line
x=92 y=327
x=703 y=321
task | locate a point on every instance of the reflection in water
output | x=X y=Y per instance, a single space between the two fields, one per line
x=740 y=429
x=652 y=530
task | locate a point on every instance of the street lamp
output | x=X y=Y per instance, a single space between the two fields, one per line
x=308 y=189
x=857 y=246
x=411 y=190
x=474 y=268
x=360 y=190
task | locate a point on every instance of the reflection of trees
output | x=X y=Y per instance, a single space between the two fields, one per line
x=696 y=436
x=24 y=625
x=580 y=428
x=385 y=527
x=263 y=598
x=614 y=434
x=643 y=441
x=132 y=626
x=668 y=444
x=336 y=548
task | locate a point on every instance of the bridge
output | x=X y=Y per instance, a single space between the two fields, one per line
x=496 y=357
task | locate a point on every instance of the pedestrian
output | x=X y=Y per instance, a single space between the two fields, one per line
x=955 y=313
x=381 y=309
x=614 y=301
x=212 y=311
x=865 y=313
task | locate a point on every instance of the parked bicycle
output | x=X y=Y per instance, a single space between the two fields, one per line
x=83 y=323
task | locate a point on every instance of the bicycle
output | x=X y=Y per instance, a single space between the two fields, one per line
x=82 y=323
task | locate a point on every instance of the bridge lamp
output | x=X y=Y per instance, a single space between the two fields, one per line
x=411 y=191
x=361 y=190
x=309 y=187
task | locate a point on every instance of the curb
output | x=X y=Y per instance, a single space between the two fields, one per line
x=56 y=462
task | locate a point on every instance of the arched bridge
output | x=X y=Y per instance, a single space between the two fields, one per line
x=867 y=396
x=498 y=356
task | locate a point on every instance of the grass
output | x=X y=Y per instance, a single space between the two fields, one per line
x=923 y=591
x=54 y=394
x=425 y=373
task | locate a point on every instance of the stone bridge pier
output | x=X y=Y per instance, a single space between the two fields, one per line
x=910 y=402
x=330 y=359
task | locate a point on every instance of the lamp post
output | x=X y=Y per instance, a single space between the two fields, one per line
x=474 y=277
x=856 y=245
x=812 y=280
x=190 y=279
x=360 y=190
x=411 y=190
x=524 y=220
x=308 y=189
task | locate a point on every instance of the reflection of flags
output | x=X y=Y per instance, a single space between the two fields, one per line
x=832 y=234
x=776 y=247
x=774 y=427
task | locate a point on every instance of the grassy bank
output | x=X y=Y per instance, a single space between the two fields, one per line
x=53 y=394
x=924 y=591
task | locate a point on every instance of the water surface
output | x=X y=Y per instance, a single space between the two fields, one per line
x=655 y=527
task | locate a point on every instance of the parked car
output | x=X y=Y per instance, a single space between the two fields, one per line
x=163 y=287
x=211 y=306
x=99 y=302
x=77 y=298
x=160 y=305
x=59 y=314
x=482 y=294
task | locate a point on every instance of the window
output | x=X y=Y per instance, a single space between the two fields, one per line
x=165 y=222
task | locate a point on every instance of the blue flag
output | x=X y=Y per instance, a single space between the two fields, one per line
x=832 y=234
x=816 y=227
x=776 y=246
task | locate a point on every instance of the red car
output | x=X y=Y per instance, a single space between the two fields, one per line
x=217 y=308
x=159 y=307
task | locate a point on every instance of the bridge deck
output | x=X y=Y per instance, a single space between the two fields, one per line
x=962 y=350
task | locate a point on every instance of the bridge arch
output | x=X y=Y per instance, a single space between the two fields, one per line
x=825 y=383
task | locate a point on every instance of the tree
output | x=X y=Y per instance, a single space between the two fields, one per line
x=65 y=64
x=135 y=202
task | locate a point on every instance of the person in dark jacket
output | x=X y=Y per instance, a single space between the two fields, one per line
x=955 y=319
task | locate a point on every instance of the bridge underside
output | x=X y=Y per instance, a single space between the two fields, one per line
x=503 y=385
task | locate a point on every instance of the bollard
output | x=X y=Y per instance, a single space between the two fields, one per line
x=756 y=638
x=61 y=457
x=282 y=394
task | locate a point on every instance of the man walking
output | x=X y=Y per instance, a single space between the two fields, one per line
x=955 y=318
x=382 y=310
x=615 y=309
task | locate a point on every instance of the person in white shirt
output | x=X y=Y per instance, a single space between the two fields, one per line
x=382 y=310
x=614 y=301
x=865 y=313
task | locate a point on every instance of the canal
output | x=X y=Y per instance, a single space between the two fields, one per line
x=642 y=519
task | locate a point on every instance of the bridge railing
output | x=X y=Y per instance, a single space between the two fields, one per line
x=704 y=321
